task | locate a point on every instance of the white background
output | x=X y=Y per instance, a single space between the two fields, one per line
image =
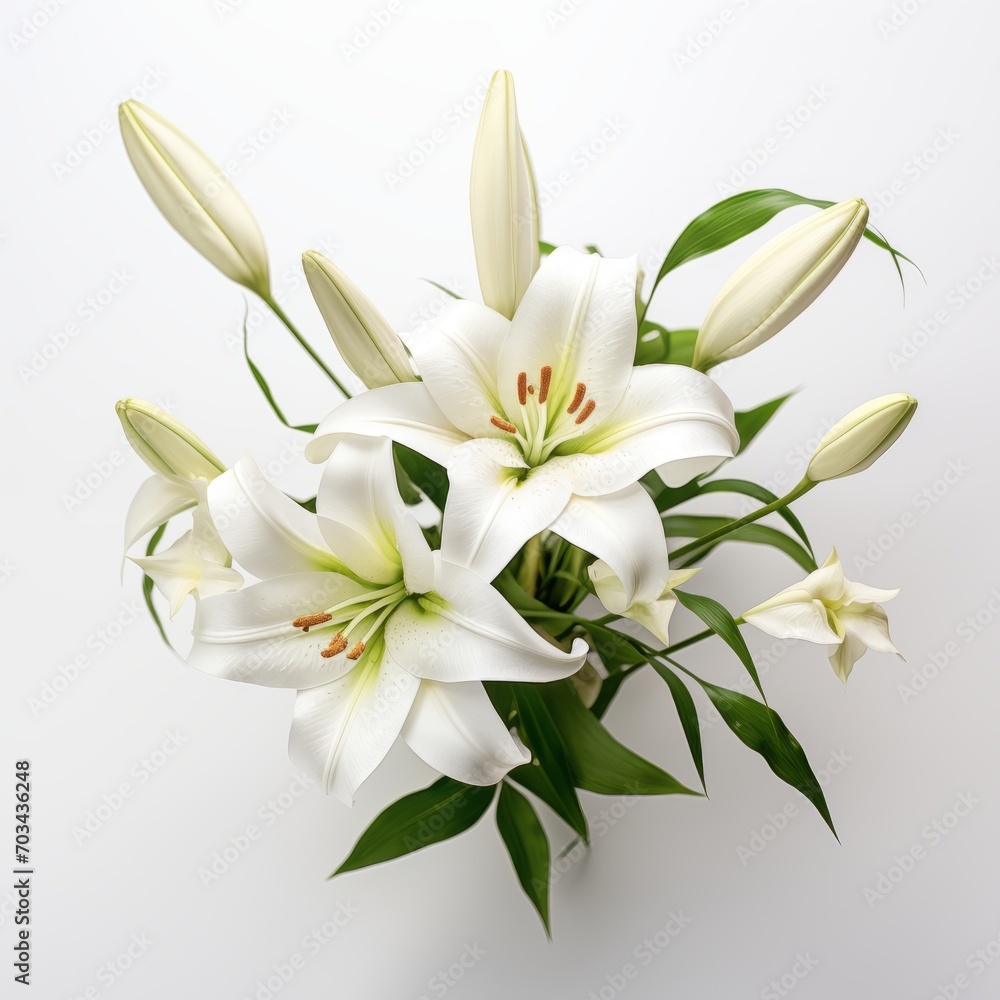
x=646 y=141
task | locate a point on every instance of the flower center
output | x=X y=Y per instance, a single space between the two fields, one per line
x=357 y=619
x=541 y=427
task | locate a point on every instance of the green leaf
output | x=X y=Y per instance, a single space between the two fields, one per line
x=409 y=493
x=528 y=847
x=542 y=736
x=722 y=623
x=612 y=647
x=442 y=288
x=749 y=423
x=687 y=713
x=762 y=730
x=600 y=763
x=147 y=586
x=695 y=525
x=429 y=477
x=438 y=812
x=760 y=493
x=681 y=347
x=656 y=345
x=264 y=387
x=740 y=215
x=546 y=248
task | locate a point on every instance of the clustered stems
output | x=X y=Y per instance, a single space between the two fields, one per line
x=293 y=330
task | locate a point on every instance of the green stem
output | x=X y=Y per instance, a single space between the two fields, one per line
x=804 y=487
x=527 y=575
x=281 y=314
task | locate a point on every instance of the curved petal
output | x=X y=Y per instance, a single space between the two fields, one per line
x=802 y=619
x=844 y=656
x=859 y=593
x=623 y=529
x=268 y=533
x=457 y=354
x=869 y=624
x=405 y=413
x=248 y=636
x=466 y=631
x=157 y=500
x=342 y=731
x=671 y=418
x=578 y=318
x=827 y=583
x=456 y=729
x=494 y=507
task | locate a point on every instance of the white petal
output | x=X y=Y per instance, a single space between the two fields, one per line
x=364 y=519
x=157 y=500
x=827 y=583
x=671 y=418
x=342 y=731
x=869 y=624
x=623 y=529
x=456 y=729
x=795 y=619
x=859 y=593
x=268 y=533
x=248 y=636
x=578 y=317
x=466 y=631
x=457 y=354
x=493 y=507
x=405 y=413
x=844 y=656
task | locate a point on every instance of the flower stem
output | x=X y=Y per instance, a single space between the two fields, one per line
x=282 y=315
x=531 y=560
x=756 y=515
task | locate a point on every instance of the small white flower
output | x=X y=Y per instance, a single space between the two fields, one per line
x=381 y=636
x=653 y=615
x=827 y=607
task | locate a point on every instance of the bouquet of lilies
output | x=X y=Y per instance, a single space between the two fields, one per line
x=501 y=496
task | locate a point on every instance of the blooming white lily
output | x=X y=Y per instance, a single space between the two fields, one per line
x=364 y=338
x=195 y=195
x=504 y=210
x=827 y=607
x=543 y=422
x=380 y=635
x=652 y=615
x=779 y=282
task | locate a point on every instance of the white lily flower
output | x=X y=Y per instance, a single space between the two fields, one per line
x=779 y=282
x=178 y=457
x=195 y=195
x=362 y=335
x=859 y=440
x=504 y=209
x=543 y=422
x=827 y=607
x=653 y=615
x=197 y=563
x=381 y=636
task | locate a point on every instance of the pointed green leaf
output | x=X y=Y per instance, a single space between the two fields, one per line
x=542 y=736
x=687 y=713
x=428 y=477
x=528 y=847
x=722 y=623
x=438 y=812
x=749 y=423
x=696 y=525
x=147 y=586
x=600 y=763
x=763 y=495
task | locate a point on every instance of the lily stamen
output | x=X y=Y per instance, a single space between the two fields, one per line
x=504 y=425
x=306 y=622
x=337 y=645
x=578 y=397
x=586 y=411
x=522 y=388
x=543 y=385
x=356 y=651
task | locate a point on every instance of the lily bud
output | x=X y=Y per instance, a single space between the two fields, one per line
x=165 y=444
x=504 y=210
x=363 y=336
x=778 y=282
x=861 y=438
x=195 y=195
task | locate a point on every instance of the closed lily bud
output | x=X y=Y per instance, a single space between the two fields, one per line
x=362 y=335
x=778 y=282
x=504 y=210
x=195 y=195
x=165 y=444
x=861 y=438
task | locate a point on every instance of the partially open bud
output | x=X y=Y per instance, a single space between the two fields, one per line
x=778 y=282
x=363 y=336
x=504 y=209
x=165 y=444
x=195 y=195
x=861 y=438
